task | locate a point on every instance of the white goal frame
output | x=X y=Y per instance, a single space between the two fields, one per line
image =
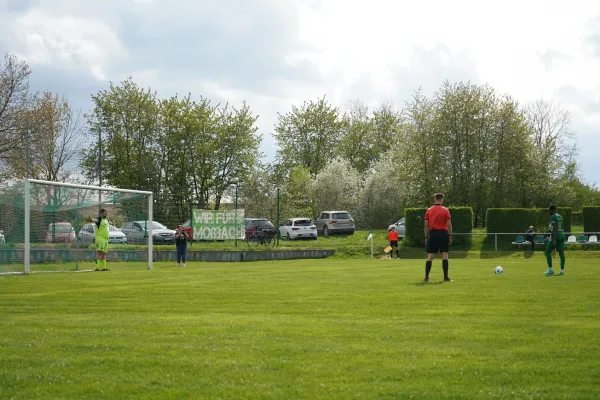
x=27 y=206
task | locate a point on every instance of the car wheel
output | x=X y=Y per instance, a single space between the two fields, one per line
x=288 y=236
x=146 y=240
x=325 y=231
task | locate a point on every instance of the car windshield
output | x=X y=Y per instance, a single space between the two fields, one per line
x=158 y=225
x=303 y=222
x=60 y=228
x=113 y=228
x=342 y=216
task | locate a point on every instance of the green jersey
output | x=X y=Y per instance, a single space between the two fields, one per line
x=102 y=229
x=557 y=220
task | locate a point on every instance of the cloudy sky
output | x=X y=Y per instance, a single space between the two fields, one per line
x=276 y=53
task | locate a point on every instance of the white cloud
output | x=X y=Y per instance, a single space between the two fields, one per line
x=69 y=41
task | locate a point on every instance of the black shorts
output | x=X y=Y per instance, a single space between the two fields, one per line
x=438 y=242
x=394 y=243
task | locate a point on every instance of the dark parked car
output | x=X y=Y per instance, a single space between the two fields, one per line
x=255 y=225
x=60 y=232
x=187 y=227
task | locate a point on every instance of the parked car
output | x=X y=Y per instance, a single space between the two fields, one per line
x=87 y=235
x=137 y=233
x=60 y=232
x=329 y=222
x=254 y=225
x=400 y=228
x=187 y=227
x=295 y=228
x=2 y=238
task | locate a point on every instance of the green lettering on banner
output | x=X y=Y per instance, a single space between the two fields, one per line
x=218 y=224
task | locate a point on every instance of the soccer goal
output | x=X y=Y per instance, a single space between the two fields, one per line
x=44 y=226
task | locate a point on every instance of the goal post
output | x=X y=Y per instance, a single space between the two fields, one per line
x=44 y=226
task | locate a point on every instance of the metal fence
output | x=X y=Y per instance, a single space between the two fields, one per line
x=501 y=240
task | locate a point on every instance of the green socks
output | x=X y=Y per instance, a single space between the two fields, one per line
x=549 y=259
x=103 y=262
x=562 y=259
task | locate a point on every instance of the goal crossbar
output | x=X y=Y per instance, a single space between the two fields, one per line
x=27 y=187
x=78 y=186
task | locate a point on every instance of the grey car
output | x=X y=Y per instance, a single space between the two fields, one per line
x=330 y=222
x=137 y=233
x=400 y=228
x=87 y=235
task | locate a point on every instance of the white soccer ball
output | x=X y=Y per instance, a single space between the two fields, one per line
x=498 y=270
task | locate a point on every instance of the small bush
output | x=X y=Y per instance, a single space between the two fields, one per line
x=462 y=222
x=517 y=220
x=591 y=219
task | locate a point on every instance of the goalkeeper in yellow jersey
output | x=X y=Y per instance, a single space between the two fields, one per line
x=102 y=235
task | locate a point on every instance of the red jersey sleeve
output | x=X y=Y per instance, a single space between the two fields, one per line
x=427 y=215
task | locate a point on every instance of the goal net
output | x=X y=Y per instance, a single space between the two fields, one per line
x=44 y=226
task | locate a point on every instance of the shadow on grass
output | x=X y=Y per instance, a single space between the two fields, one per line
x=427 y=283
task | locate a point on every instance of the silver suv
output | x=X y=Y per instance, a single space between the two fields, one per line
x=400 y=228
x=329 y=222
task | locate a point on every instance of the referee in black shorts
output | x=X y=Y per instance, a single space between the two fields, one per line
x=438 y=235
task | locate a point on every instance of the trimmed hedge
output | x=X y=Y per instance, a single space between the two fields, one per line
x=462 y=222
x=517 y=220
x=591 y=219
x=577 y=218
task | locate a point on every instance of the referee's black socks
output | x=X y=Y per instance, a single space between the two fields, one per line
x=427 y=268
x=445 y=267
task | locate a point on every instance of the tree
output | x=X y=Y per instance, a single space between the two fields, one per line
x=257 y=193
x=126 y=117
x=308 y=136
x=550 y=127
x=387 y=122
x=383 y=198
x=236 y=148
x=178 y=130
x=419 y=153
x=15 y=100
x=357 y=143
x=297 y=196
x=337 y=187
x=56 y=136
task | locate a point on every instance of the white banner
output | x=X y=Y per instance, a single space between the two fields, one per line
x=218 y=224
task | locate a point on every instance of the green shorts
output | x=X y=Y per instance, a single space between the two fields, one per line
x=102 y=245
x=560 y=245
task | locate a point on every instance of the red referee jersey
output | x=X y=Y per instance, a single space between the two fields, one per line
x=438 y=217
x=393 y=236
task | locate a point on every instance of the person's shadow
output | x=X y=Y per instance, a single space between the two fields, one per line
x=427 y=283
x=529 y=253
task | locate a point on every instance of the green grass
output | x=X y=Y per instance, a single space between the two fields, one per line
x=326 y=329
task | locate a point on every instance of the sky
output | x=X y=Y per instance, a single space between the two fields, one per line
x=277 y=53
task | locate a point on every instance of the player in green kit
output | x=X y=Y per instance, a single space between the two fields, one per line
x=556 y=241
x=102 y=236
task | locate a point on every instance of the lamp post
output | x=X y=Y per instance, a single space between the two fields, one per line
x=278 y=215
x=236 y=212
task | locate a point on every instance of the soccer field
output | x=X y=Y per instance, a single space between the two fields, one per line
x=326 y=329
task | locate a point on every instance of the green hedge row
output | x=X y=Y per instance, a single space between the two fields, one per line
x=591 y=219
x=462 y=222
x=517 y=220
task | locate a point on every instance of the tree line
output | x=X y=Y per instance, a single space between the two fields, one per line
x=480 y=147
